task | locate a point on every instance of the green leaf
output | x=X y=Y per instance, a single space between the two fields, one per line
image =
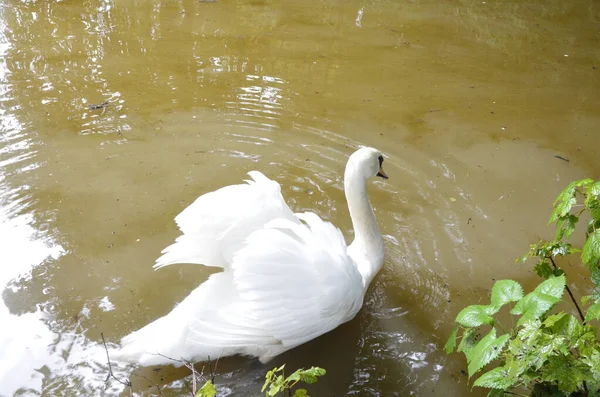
x=554 y=286
x=497 y=393
x=593 y=312
x=533 y=306
x=543 y=269
x=551 y=320
x=565 y=226
x=514 y=366
x=566 y=198
x=208 y=390
x=268 y=378
x=537 y=303
x=568 y=326
x=568 y=372
x=593 y=205
x=476 y=315
x=469 y=341
x=488 y=349
x=596 y=275
x=451 y=343
x=505 y=291
x=593 y=190
x=530 y=331
x=300 y=393
x=495 y=379
x=591 y=249
x=562 y=208
x=310 y=375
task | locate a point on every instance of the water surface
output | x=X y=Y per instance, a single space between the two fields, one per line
x=470 y=101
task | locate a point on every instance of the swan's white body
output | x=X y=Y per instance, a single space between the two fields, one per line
x=287 y=278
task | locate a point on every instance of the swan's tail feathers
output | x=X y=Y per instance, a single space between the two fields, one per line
x=216 y=225
x=158 y=343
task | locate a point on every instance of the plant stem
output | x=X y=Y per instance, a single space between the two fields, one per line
x=570 y=294
x=502 y=327
x=515 y=394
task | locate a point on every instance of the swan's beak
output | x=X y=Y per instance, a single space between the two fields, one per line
x=382 y=174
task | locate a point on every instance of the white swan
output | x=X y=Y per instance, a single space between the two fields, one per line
x=284 y=282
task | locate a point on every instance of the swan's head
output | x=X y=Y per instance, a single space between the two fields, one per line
x=368 y=162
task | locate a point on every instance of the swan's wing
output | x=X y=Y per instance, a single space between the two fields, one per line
x=297 y=280
x=216 y=224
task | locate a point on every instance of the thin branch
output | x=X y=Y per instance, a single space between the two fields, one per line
x=570 y=294
x=196 y=376
x=110 y=371
x=585 y=388
x=151 y=381
x=210 y=369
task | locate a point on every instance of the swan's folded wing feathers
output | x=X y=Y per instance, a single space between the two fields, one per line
x=216 y=225
x=297 y=280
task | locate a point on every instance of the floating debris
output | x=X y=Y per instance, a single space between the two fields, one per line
x=103 y=105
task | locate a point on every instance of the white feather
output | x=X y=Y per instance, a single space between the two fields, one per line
x=216 y=224
x=286 y=278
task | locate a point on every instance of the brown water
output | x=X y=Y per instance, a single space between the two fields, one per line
x=471 y=101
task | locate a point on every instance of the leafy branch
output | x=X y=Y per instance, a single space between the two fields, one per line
x=544 y=353
x=276 y=382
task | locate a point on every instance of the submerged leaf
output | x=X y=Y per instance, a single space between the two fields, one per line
x=505 y=291
x=488 y=349
x=476 y=315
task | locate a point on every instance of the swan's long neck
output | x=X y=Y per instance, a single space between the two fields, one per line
x=367 y=247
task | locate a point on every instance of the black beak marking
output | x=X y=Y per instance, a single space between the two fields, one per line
x=381 y=173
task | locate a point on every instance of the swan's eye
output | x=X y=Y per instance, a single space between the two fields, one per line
x=380 y=160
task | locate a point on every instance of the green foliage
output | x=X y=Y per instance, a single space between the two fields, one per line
x=538 y=302
x=486 y=350
x=475 y=315
x=506 y=291
x=276 y=382
x=550 y=354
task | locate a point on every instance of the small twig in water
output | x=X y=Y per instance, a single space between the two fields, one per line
x=110 y=371
x=196 y=376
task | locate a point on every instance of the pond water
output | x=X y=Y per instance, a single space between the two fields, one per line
x=471 y=102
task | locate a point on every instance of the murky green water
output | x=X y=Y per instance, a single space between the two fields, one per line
x=470 y=100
